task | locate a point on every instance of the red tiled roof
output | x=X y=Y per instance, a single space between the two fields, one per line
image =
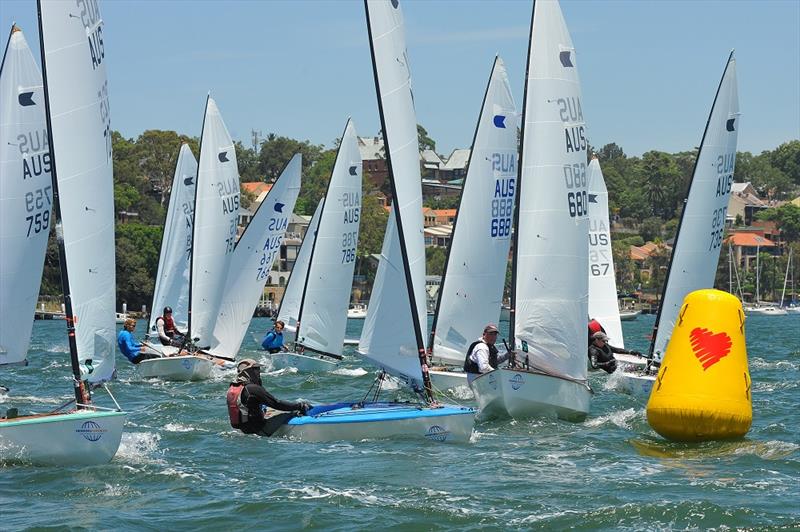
x=445 y=212
x=750 y=239
x=257 y=187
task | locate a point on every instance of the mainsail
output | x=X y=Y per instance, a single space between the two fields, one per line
x=215 y=223
x=603 y=304
x=550 y=285
x=289 y=311
x=26 y=195
x=472 y=287
x=172 y=281
x=323 y=311
x=700 y=232
x=76 y=89
x=252 y=260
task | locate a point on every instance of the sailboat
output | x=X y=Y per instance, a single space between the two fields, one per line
x=172 y=279
x=603 y=302
x=698 y=240
x=319 y=318
x=215 y=217
x=79 y=137
x=549 y=281
x=26 y=196
x=758 y=309
x=392 y=336
x=256 y=250
x=471 y=290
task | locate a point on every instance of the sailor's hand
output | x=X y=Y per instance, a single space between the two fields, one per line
x=305 y=407
x=636 y=353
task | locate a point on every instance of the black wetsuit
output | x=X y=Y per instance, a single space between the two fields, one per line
x=603 y=357
x=254 y=396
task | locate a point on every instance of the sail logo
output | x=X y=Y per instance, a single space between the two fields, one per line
x=223 y=157
x=395 y=3
x=188 y=181
x=26 y=99
x=566 y=58
x=492 y=380
x=279 y=206
x=592 y=198
x=516 y=381
x=730 y=124
x=91 y=431
x=709 y=348
x=353 y=170
x=499 y=121
x=437 y=433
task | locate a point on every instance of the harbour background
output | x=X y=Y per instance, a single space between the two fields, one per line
x=182 y=466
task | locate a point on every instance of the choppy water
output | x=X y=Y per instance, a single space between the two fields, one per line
x=181 y=466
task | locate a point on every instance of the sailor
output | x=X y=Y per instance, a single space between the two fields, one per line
x=168 y=333
x=248 y=403
x=482 y=355
x=601 y=353
x=273 y=340
x=129 y=346
x=594 y=327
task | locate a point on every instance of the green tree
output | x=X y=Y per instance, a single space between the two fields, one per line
x=276 y=151
x=315 y=182
x=157 y=152
x=786 y=159
x=248 y=163
x=434 y=260
x=650 y=228
x=425 y=142
x=137 y=252
x=787 y=217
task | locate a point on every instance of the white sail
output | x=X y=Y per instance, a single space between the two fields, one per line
x=472 y=288
x=603 y=304
x=323 y=318
x=215 y=221
x=387 y=338
x=252 y=260
x=26 y=195
x=172 y=281
x=289 y=311
x=551 y=257
x=80 y=126
x=393 y=77
x=699 y=239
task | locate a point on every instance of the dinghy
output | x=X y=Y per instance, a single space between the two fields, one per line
x=603 y=302
x=79 y=129
x=215 y=217
x=549 y=280
x=357 y=311
x=321 y=313
x=471 y=290
x=698 y=240
x=26 y=196
x=392 y=336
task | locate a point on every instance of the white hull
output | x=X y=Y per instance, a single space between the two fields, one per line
x=629 y=315
x=448 y=380
x=84 y=437
x=176 y=368
x=304 y=363
x=765 y=311
x=522 y=394
x=624 y=360
x=356 y=314
x=634 y=383
x=793 y=310
x=161 y=350
x=374 y=422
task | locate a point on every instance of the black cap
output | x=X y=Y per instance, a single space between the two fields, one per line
x=167 y=310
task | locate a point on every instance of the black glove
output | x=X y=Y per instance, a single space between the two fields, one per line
x=305 y=407
x=636 y=353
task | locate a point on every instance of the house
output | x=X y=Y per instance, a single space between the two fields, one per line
x=456 y=165
x=445 y=216
x=431 y=164
x=640 y=254
x=745 y=246
x=744 y=202
x=438 y=235
x=373 y=160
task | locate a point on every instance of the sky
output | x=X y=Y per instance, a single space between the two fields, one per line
x=649 y=69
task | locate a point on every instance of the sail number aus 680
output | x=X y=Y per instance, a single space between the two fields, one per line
x=575 y=179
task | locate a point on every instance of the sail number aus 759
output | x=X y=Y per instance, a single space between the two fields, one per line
x=38 y=200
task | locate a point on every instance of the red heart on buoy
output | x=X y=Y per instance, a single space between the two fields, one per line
x=709 y=347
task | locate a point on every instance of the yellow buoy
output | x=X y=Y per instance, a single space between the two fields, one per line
x=702 y=391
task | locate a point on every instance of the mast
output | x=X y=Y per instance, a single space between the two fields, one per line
x=786 y=277
x=683 y=212
x=512 y=314
x=758 y=274
x=426 y=379
x=82 y=394
x=460 y=201
x=194 y=222
x=308 y=268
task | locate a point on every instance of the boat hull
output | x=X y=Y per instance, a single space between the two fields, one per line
x=521 y=394
x=304 y=363
x=83 y=437
x=176 y=368
x=447 y=380
x=636 y=383
x=629 y=315
x=765 y=311
x=357 y=421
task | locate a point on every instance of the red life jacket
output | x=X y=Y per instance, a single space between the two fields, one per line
x=169 y=326
x=237 y=412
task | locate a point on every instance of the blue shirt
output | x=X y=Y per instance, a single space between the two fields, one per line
x=128 y=345
x=272 y=340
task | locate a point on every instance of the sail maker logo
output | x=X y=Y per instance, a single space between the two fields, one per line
x=516 y=381
x=437 y=433
x=91 y=431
